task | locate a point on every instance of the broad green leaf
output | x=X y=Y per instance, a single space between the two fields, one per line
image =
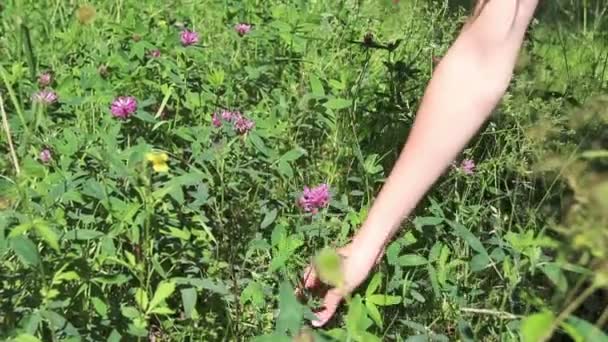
x=469 y=238
x=479 y=262
x=434 y=280
x=384 y=300
x=328 y=265
x=253 y=293
x=583 y=331
x=435 y=250
x=129 y=312
x=555 y=274
x=537 y=326
x=373 y=312
x=373 y=284
x=20 y=229
x=188 y=300
x=292 y=155
x=595 y=154
x=182 y=234
x=26 y=250
x=338 y=103
x=316 y=86
x=269 y=218
x=114 y=336
x=421 y=221
x=47 y=234
x=163 y=291
x=26 y=338
x=290 y=310
x=356 y=318
x=412 y=260
x=100 y=307
x=141 y=298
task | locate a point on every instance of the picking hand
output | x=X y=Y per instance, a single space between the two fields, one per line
x=356 y=265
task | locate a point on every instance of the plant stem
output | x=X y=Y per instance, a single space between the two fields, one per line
x=7 y=130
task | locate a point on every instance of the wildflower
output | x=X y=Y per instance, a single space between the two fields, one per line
x=313 y=199
x=467 y=166
x=45 y=97
x=242 y=124
x=189 y=37
x=228 y=116
x=217 y=122
x=158 y=160
x=45 y=155
x=242 y=28
x=45 y=79
x=155 y=53
x=124 y=106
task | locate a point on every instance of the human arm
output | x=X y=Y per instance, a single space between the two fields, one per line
x=465 y=88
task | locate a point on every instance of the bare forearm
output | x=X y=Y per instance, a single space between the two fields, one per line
x=464 y=90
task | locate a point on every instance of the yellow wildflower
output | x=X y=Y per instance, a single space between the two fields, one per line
x=158 y=160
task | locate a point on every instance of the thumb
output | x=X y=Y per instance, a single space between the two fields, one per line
x=331 y=301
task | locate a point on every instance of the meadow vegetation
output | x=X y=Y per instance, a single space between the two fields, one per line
x=168 y=168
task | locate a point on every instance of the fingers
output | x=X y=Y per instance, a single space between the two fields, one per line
x=330 y=305
x=310 y=280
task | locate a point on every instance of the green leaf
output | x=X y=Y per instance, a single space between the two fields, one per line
x=292 y=155
x=82 y=234
x=555 y=274
x=100 y=307
x=161 y=310
x=537 y=326
x=595 y=154
x=114 y=336
x=356 y=318
x=269 y=217
x=141 y=298
x=479 y=262
x=285 y=169
x=328 y=265
x=373 y=312
x=412 y=260
x=47 y=234
x=26 y=338
x=253 y=293
x=384 y=300
x=290 y=310
x=469 y=238
x=421 y=221
x=434 y=280
x=26 y=250
x=182 y=234
x=373 y=284
x=163 y=291
x=316 y=86
x=581 y=330
x=338 y=103
x=129 y=312
x=188 y=300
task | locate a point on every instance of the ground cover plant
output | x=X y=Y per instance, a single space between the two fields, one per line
x=169 y=168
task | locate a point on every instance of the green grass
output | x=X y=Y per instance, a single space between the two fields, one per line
x=95 y=245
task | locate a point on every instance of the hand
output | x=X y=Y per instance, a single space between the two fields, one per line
x=356 y=265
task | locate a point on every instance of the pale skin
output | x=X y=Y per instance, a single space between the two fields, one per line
x=465 y=88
